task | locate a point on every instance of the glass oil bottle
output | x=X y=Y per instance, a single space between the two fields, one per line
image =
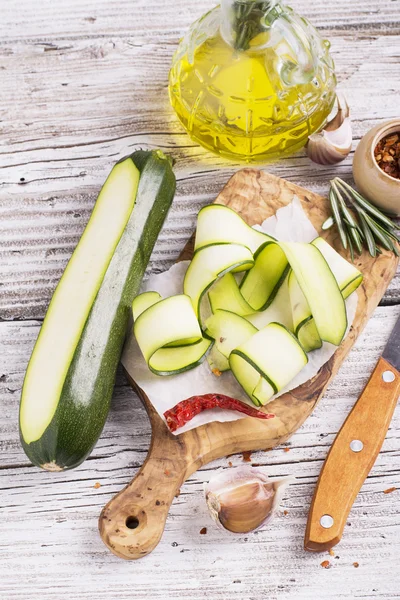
x=251 y=80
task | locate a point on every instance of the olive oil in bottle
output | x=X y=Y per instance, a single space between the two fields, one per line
x=252 y=80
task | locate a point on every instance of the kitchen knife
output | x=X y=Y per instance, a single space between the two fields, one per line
x=354 y=451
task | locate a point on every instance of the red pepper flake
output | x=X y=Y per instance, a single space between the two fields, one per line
x=356 y=565
x=97 y=485
x=285 y=512
x=246 y=456
x=326 y=564
x=286 y=449
x=230 y=464
x=203 y=531
x=184 y=411
x=389 y=490
x=387 y=154
x=167 y=472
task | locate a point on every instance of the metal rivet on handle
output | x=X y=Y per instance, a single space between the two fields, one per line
x=356 y=445
x=326 y=521
x=388 y=376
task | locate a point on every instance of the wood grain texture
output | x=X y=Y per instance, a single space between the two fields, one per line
x=345 y=470
x=76 y=95
x=100 y=104
x=255 y=195
x=50 y=546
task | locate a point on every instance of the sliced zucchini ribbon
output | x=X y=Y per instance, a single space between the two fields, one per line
x=266 y=362
x=169 y=335
x=270 y=302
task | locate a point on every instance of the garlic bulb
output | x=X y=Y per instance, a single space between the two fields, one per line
x=244 y=498
x=332 y=144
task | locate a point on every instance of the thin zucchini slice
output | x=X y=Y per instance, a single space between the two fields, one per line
x=225 y=294
x=172 y=361
x=267 y=362
x=218 y=224
x=73 y=299
x=211 y=262
x=304 y=324
x=348 y=279
x=249 y=377
x=260 y=284
x=170 y=322
x=279 y=311
x=228 y=330
x=320 y=288
x=308 y=336
x=205 y=309
x=143 y=302
x=263 y=392
x=347 y=276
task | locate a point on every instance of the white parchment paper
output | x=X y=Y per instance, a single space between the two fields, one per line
x=289 y=224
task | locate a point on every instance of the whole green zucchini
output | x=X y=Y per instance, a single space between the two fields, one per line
x=71 y=374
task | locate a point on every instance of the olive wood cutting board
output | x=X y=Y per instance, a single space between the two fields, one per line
x=132 y=523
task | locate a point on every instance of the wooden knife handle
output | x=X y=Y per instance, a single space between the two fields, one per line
x=351 y=458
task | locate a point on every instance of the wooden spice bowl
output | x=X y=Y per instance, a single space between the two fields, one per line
x=373 y=183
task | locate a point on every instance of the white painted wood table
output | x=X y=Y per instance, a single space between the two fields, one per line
x=82 y=84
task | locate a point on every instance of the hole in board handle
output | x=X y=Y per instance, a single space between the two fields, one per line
x=132 y=522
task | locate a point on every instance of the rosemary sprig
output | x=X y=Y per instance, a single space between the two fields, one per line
x=369 y=238
x=247 y=20
x=366 y=226
x=337 y=218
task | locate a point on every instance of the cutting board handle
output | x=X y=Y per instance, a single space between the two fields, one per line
x=132 y=523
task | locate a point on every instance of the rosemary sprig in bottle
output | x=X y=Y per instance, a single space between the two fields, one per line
x=365 y=226
x=248 y=20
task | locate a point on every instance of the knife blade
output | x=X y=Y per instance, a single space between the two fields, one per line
x=354 y=451
x=391 y=352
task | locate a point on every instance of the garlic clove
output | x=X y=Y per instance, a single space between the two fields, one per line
x=245 y=507
x=343 y=113
x=333 y=143
x=243 y=499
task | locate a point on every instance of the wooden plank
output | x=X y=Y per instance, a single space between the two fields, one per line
x=50 y=133
x=152 y=21
x=94 y=109
x=49 y=520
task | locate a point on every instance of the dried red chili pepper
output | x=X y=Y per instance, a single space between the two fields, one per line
x=184 y=411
